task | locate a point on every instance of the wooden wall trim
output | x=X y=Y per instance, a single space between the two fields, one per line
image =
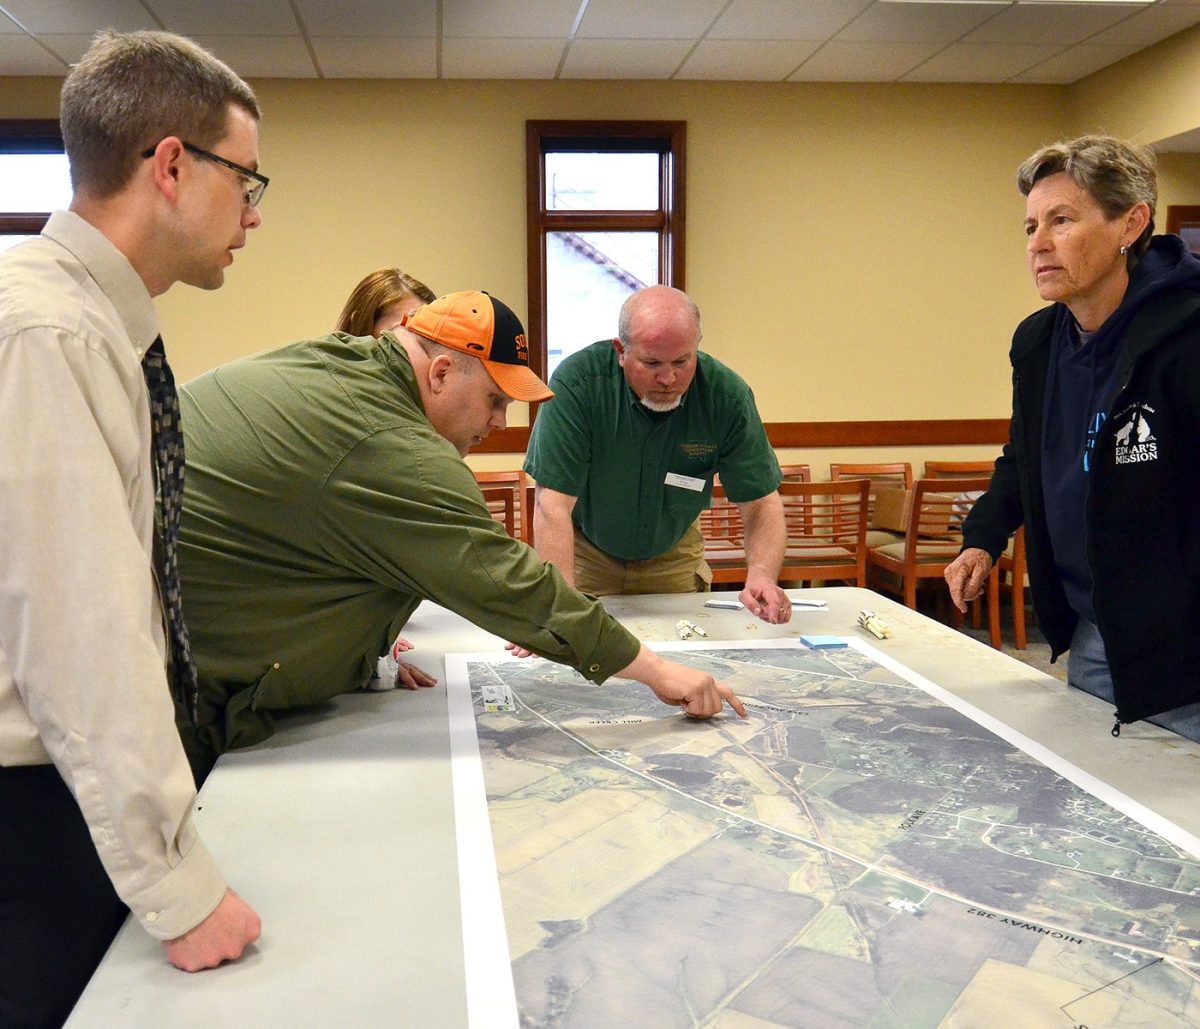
x=827 y=435
x=941 y=433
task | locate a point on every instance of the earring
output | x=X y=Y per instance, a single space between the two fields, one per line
x=1124 y=249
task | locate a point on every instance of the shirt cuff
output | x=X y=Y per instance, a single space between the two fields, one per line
x=616 y=649
x=181 y=899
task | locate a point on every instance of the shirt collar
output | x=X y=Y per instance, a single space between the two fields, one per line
x=113 y=274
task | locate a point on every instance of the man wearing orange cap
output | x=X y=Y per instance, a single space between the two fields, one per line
x=326 y=496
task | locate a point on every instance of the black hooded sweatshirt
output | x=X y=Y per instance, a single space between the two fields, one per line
x=1081 y=381
x=1127 y=531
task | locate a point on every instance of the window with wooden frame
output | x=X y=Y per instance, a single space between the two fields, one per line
x=605 y=218
x=34 y=178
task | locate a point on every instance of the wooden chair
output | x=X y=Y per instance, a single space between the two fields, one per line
x=792 y=473
x=519 y=525
x=501 y=502
x=896 y=474
x=827 y=531
x=1012 y=568
x=1012 y=564
x=796 y=473
x=957 y=469
x=827 y=528
x=936 y=509
x=724 y=538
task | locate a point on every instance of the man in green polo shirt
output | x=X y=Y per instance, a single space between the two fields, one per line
x=624 y=457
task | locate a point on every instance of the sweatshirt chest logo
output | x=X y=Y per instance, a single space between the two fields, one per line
x=1134 y=439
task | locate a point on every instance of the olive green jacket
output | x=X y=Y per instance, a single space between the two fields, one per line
x=320 y=508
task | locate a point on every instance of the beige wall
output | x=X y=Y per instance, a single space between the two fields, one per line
x=1150 y=96
x=856 y=249
x=851 y=247
x=1178 y=182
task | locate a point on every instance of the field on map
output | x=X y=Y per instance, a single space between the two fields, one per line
x=854 y=853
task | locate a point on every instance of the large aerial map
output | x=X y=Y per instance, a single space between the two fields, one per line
x=857 y=852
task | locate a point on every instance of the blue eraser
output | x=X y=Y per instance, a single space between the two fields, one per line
x=823 y=642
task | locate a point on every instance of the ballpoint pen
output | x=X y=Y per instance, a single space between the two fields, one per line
x=737 y=605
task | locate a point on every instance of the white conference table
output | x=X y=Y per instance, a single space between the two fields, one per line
x=340 y=829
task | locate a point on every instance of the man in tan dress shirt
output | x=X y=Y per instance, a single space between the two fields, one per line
x=163 y=144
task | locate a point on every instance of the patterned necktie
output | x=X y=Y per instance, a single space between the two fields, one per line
x=168 y=468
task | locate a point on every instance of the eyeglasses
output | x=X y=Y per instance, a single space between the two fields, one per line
x=254 y=185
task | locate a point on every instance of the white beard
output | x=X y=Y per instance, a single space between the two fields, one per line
x=661 y=408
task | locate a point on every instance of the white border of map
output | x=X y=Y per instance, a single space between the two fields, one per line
x=491 y=996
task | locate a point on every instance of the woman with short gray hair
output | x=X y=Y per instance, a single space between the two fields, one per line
x=1103 y=466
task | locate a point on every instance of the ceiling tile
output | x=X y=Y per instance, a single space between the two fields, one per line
x=1036 y=23
x=663 y=19
x=69 y=46
x=785 y=19
x=980 y=62
x=380 y=58
x=506 y=19
x=501 y=58
x=1073 y=64
x=79 y=16
x=746 y=60
x=862 y=62
x=378 y=19
x=917 y=23
x=1149 y=25
x=263 y=57
x=752 y=40
x=20 y=55
x=226 y=17
x=624 y=58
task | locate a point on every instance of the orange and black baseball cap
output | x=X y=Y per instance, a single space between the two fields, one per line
x=477 y=324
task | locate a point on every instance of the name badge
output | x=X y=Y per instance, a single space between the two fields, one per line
x=685 y=482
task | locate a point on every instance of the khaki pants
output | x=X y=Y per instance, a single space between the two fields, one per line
x=682 y=569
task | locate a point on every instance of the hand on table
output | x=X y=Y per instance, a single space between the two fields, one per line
x=409 y=676
x=966 y=576
x=221 y=937
x=518 y=651
x=764 y=599
x=406 y=676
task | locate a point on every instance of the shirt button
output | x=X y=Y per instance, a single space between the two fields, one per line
x=152 y=916
x=593 y=668
x=276 y=666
